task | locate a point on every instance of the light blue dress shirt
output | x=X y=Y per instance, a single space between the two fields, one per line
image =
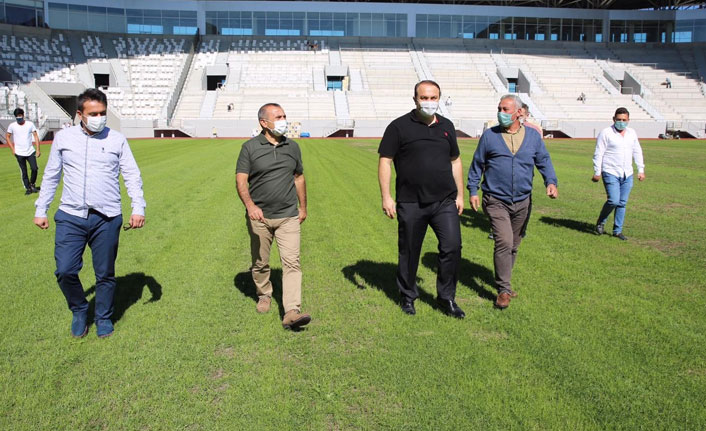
x=92 y=165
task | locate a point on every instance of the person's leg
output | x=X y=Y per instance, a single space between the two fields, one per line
x=412 y=226
x=519 y=216
x=260 y=244
x=33 y=171
x=501 y=224
x=22 y=161
x=447 y=226
x=625 y=185
x=69 y=245
x=103 y=239
x=612 y=190
x=287 y=234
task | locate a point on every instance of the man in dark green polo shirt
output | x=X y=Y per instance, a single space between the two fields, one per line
x=270 y=180
x=422 y=144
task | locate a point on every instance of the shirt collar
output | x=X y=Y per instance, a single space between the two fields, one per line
x=262 y=139
x=418 y=120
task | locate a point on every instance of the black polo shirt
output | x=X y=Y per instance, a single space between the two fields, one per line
x=422 y=154
x=271 y=170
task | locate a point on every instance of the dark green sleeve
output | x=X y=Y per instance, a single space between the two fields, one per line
x=299 y=169
x=243 y=165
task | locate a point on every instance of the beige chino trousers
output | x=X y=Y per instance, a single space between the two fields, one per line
x=286 y=231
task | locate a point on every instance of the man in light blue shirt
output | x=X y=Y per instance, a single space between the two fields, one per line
x=92 y=157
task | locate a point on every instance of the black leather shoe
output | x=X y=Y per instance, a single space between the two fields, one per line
x=408 y=307
x=620 y=236
x=450 y=307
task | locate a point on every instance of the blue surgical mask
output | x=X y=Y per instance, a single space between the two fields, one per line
x=621 y=125
x=20 y=120
x=505 y=119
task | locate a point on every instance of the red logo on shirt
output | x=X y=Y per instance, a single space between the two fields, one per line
x=446 y=134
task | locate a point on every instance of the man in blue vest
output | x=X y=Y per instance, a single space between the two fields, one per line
x=505 y=157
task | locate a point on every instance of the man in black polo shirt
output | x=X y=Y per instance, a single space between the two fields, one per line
x=429 y=189
x=270 y=181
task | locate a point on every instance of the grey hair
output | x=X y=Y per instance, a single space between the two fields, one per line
x=515 y=98
x=263 y=110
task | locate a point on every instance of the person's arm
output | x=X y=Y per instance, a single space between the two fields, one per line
x=474 y=173
x=8 y=139
x=544 y=165
x=36 y=142
x=601 y=145
x=241 y=183
x=133 y=184
x=457 y=170
x=384 y=175
x=300 y=185
x=50 y=181
x=639 y=161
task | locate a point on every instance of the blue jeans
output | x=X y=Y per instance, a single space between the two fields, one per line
x=73 y=233
x=618 y=191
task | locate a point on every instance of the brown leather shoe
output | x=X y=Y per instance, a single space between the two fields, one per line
x=263 y=304
x=503 y=300
x=293 y=319
x=513 y=294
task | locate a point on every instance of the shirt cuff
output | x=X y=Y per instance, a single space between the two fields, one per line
x=140 y=211
x=473 y=190
x=640 y=170
x=40 y=212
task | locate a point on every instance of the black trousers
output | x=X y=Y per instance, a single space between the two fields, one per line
x=413 y=220
x=22 y=161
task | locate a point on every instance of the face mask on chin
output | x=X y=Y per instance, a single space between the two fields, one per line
x=428 y=108
x=96 y=124
x=505 y=119
x=280 y=128
x=620 y=125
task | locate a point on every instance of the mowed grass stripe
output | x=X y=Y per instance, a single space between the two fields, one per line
x=605 y=334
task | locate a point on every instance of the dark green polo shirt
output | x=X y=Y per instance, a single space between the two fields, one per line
x=271 y=170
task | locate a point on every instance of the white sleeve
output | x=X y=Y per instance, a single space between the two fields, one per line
x=637 y=156
x=598 y=154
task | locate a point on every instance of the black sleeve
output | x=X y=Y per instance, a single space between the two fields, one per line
x=390 y=142
x=454 y=152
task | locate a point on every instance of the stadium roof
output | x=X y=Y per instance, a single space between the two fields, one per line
x=577 y=4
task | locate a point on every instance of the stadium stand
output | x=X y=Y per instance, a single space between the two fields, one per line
x=156 y=82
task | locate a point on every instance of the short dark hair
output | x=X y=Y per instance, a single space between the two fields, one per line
x=426 y=81
x=18 y=111
x=91 y=94
x=621 y=111
x=263 y=110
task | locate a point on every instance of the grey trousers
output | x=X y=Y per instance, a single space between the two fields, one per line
x=508 y=222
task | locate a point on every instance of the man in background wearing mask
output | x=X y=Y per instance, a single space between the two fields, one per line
x=505 y=157
x=19 y=137
x=270 y=180
x=616 y=147
x=92 y=157
x=429 y=190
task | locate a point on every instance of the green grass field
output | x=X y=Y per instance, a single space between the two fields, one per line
x=604 y=334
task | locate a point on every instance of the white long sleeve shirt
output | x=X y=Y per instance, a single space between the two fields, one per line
x=615 y=153
x=92 y=165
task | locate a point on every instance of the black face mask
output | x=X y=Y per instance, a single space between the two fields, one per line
x=20 y=120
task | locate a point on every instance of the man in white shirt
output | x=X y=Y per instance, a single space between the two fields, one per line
x=616 y=147
x=19 y=137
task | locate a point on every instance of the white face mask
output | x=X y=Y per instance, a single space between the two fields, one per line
x=96 y=124
x=280 y=127
x=429 y=108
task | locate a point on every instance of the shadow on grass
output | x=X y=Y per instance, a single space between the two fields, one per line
x=243 y=281
x=468 y=274
x=580 y=226
x=128 y=291
x=473 y=219
x=381 y=276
